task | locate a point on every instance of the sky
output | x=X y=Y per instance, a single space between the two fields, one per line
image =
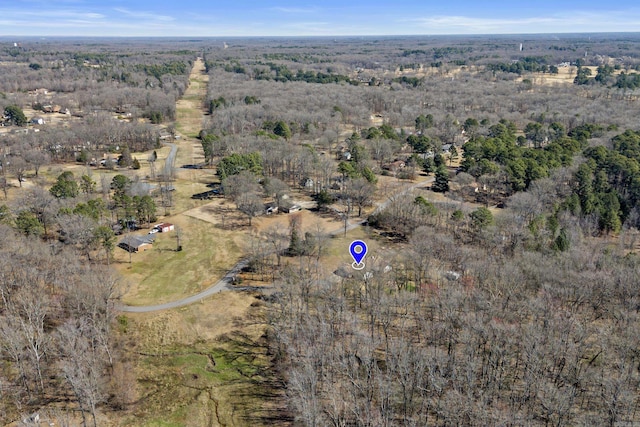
x=243 y=18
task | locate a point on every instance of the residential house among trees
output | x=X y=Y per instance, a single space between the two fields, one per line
x=136 y=243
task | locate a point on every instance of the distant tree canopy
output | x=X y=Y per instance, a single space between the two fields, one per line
x=627 y=81
x=410 y=81
x=155 y=117
x=250 y=100
x=282 y=129
x=528 y=63
x=582 y=76
x=235 y=163
x=159 y=70
x=282 y=73
x=606 y=77
x=604 y=74
x=217 y=103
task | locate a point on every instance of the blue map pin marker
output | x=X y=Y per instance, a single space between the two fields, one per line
x=358 y=250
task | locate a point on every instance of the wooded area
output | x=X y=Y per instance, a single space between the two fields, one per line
x=496 y=183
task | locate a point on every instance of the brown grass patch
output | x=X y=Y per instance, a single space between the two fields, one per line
x=205 y=364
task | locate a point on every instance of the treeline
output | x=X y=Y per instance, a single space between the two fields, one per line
x=90 y=139
x=499 y=152
x=439 y=52
x=281 y=73
x=175 y=68
x=628 y=81
x=529 y=64
x=608 y=184
x=606 y=76
x=298 y=57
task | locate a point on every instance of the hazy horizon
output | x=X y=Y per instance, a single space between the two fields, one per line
x=195 y=38
x=331 y=18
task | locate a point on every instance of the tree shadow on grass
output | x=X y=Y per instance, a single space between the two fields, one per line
x=259 y=395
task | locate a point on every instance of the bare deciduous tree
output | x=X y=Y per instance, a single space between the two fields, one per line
x=250 y=204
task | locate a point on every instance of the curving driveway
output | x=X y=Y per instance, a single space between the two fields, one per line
x=221 y=285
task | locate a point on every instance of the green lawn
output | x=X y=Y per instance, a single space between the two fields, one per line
x=192 y=390
x=163 y=274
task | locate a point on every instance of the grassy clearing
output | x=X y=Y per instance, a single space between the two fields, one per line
x=190 y=108
x=338 y=251
x=188 y=182
x=203 y=385
x=565 y=75
x=188 y=131
x=163 y=274
x=197 y=98
x=189 y=111
x=206 y=364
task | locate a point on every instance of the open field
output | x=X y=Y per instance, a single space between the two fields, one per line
x=162 y=274
x=205 y=364
x=565 y=75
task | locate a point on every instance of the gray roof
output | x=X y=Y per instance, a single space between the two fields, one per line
x=137 y=241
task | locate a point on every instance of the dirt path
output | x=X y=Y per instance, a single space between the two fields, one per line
x=190 y=114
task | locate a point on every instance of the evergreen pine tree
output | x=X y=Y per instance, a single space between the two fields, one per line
x=441 y=183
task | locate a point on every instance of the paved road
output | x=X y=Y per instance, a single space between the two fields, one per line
x=225 y=284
